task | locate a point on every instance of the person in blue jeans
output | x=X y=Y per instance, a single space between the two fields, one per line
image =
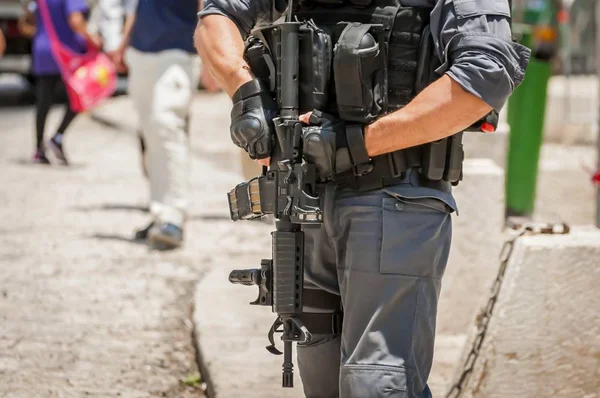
x=69 y=21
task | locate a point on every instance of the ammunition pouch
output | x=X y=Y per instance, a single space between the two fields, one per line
x=442 y=159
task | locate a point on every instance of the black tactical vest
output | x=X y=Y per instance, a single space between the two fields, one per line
x=404 y=30
x=411 y=62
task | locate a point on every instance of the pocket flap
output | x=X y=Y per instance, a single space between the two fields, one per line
x=415 y=194
x=471 y=8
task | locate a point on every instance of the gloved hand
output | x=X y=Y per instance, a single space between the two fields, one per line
x=252 y=119
x=334 y=146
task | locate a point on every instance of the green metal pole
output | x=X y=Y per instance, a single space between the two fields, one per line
x=527 y=106
x=526 y=113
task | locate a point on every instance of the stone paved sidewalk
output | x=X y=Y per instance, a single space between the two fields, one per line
x=85 y=311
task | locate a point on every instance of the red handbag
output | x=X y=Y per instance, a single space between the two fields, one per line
x=90 y=78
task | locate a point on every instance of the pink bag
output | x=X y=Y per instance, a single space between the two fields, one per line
x=89 y=78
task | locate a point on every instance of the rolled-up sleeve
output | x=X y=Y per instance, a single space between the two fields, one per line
x=246 y=14
x=473 y=41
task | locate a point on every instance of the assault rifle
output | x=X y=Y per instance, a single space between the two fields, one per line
x=288 y=191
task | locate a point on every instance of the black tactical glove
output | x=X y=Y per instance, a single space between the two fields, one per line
x=334 y=146
x=252 y=119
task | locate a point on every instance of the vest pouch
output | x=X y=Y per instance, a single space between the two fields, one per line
x=443 y=159
x=360 y=72
x=454 y=164
x=433 y=162
x=427 y=62
x=315 y=67
x=261 y=63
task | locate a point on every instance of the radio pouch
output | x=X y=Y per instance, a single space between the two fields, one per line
x=360 y=72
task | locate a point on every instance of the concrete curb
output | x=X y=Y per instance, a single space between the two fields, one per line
x=231 y=337
x=542 y=340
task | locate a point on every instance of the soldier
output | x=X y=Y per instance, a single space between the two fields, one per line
x=384 y=243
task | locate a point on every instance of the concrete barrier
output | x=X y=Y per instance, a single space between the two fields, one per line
x=572 y=110
x=488 y=146
x=542 y=339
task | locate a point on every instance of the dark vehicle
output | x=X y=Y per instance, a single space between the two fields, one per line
x=17 y=58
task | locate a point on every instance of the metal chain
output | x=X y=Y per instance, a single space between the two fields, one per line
x=485 y=315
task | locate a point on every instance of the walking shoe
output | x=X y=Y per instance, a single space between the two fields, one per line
x=40 y=157
x=165 y=236
x=55 y=145
x=142 y=234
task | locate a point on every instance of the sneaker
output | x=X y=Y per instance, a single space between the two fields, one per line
x=142 y=234
x=40 y=157
x=165 y=236
x=55 y=145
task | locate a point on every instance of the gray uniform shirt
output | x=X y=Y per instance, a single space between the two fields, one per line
x=472 y=39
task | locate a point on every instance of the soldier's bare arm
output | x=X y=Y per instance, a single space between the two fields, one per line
x=220 y=38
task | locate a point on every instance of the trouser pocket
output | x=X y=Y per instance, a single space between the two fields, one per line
x=360 y=72
x=416 y=236
x=374 y=381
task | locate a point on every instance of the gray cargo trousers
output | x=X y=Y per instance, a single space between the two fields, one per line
x=384 y=253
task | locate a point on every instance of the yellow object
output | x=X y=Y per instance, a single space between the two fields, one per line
x=545 y=33
x=102 y=76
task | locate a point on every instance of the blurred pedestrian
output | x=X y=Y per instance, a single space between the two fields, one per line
x=70 y=24
x=163 y=72
x=2 y=44
x=108 y=16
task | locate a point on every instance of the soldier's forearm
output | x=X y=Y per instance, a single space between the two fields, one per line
x=221 y=47
x=442 y=109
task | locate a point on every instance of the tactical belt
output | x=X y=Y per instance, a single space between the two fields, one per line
x=253 y=199
x=383 y=171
